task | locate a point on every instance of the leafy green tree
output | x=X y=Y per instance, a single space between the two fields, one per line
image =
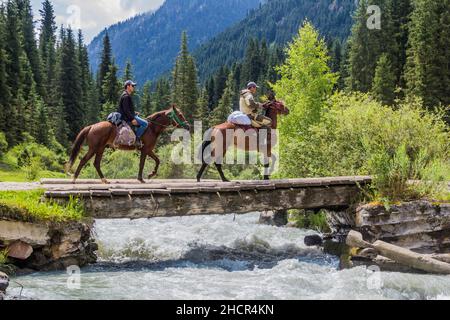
x=306 y=84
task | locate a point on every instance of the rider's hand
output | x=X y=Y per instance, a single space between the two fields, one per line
x=134 y=123
x=138 y=113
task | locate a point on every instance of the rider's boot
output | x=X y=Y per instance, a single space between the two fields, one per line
x=138 y=144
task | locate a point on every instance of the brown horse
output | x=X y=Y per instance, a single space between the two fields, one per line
x=219 y=141
x=102 y=135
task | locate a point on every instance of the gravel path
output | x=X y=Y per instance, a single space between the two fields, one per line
x=18 y=186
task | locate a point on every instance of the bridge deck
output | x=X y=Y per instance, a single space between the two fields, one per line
x=159 y=198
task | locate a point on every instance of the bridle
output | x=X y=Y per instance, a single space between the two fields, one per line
x=174 y=118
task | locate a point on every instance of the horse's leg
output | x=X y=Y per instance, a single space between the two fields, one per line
x=83 y=162
x=202 y=170
x=220 y=170
x=141 y=166
x=97 y=163
x=157 y=163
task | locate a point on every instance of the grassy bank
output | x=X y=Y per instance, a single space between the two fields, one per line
x=28 y=206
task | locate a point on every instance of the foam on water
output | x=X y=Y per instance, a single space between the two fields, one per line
x=216 y=257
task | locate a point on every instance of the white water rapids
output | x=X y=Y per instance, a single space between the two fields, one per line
x=217 y=257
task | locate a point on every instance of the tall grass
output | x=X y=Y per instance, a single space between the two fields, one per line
x=29 y=206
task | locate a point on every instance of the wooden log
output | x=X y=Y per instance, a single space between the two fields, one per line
x=400 y=255
x=179 y=204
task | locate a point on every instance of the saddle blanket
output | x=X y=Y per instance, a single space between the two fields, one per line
x=240 y=119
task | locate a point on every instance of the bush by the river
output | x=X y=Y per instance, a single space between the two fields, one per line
x=359 y=136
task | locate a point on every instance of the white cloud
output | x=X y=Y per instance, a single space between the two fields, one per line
x=94 y=15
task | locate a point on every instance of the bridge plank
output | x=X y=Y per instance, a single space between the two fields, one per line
x=119 y=192
x=101 y=193
x=65 y=194
x=141 y=192
x=183 y=190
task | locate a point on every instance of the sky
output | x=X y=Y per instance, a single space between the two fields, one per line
x=92 y=16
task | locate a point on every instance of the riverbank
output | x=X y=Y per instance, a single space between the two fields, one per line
x=37 y=235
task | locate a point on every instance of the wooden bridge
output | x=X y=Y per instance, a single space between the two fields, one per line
x=165 y=198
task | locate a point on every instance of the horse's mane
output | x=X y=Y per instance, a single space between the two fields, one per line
x=156 y=115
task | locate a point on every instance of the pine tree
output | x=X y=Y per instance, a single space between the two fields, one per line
x=105 y=64
x=43 y=127
x=47 y=50
x=210 y=87
x=147 y=107
x=70 y=85
x=184 y=81
x=366 y=45
x=427 y=71
x=5 y=94
x=384 y=81
x=111 y=90
x=86 y=80
x=128 y=72
x=13 y=68
x=29 y=41
x=162 y=95
x=252 y=65
x=202 y=113
x=225 y=107
x=220 y=81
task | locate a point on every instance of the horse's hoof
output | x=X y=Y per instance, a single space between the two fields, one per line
x=141 y=180
x=225 y=180
x=151 y=175
x=74 y=181
x=104 y=181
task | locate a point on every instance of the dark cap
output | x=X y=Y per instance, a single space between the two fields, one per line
x=130 y=83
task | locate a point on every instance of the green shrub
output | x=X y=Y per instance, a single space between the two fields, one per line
x=310 y=220
x=3 y=257
x=24 y=154
x=3 y=144
x=33 y=168
x=359 y=136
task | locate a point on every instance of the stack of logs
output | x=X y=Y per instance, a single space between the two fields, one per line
x=435 y=263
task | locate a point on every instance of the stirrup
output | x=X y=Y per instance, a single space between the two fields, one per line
x=138 y=144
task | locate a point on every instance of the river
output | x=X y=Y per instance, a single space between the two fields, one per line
x=219 y=257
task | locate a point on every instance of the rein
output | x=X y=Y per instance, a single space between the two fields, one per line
x=172 y=116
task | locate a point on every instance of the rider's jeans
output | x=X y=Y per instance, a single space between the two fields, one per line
x=143 y=125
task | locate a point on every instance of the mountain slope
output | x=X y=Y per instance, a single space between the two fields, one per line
x=152 y=40
x=277 y=21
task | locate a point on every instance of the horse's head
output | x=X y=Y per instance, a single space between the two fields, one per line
x=177 y=118
x=277 y=106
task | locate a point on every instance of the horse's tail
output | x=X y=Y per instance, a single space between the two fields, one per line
x=206 y=143
x=77 y=147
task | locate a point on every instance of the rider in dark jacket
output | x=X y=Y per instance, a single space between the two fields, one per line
x=128 y=113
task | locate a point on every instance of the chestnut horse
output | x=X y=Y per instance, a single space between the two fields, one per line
x=218 y=134
x=103 y=134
